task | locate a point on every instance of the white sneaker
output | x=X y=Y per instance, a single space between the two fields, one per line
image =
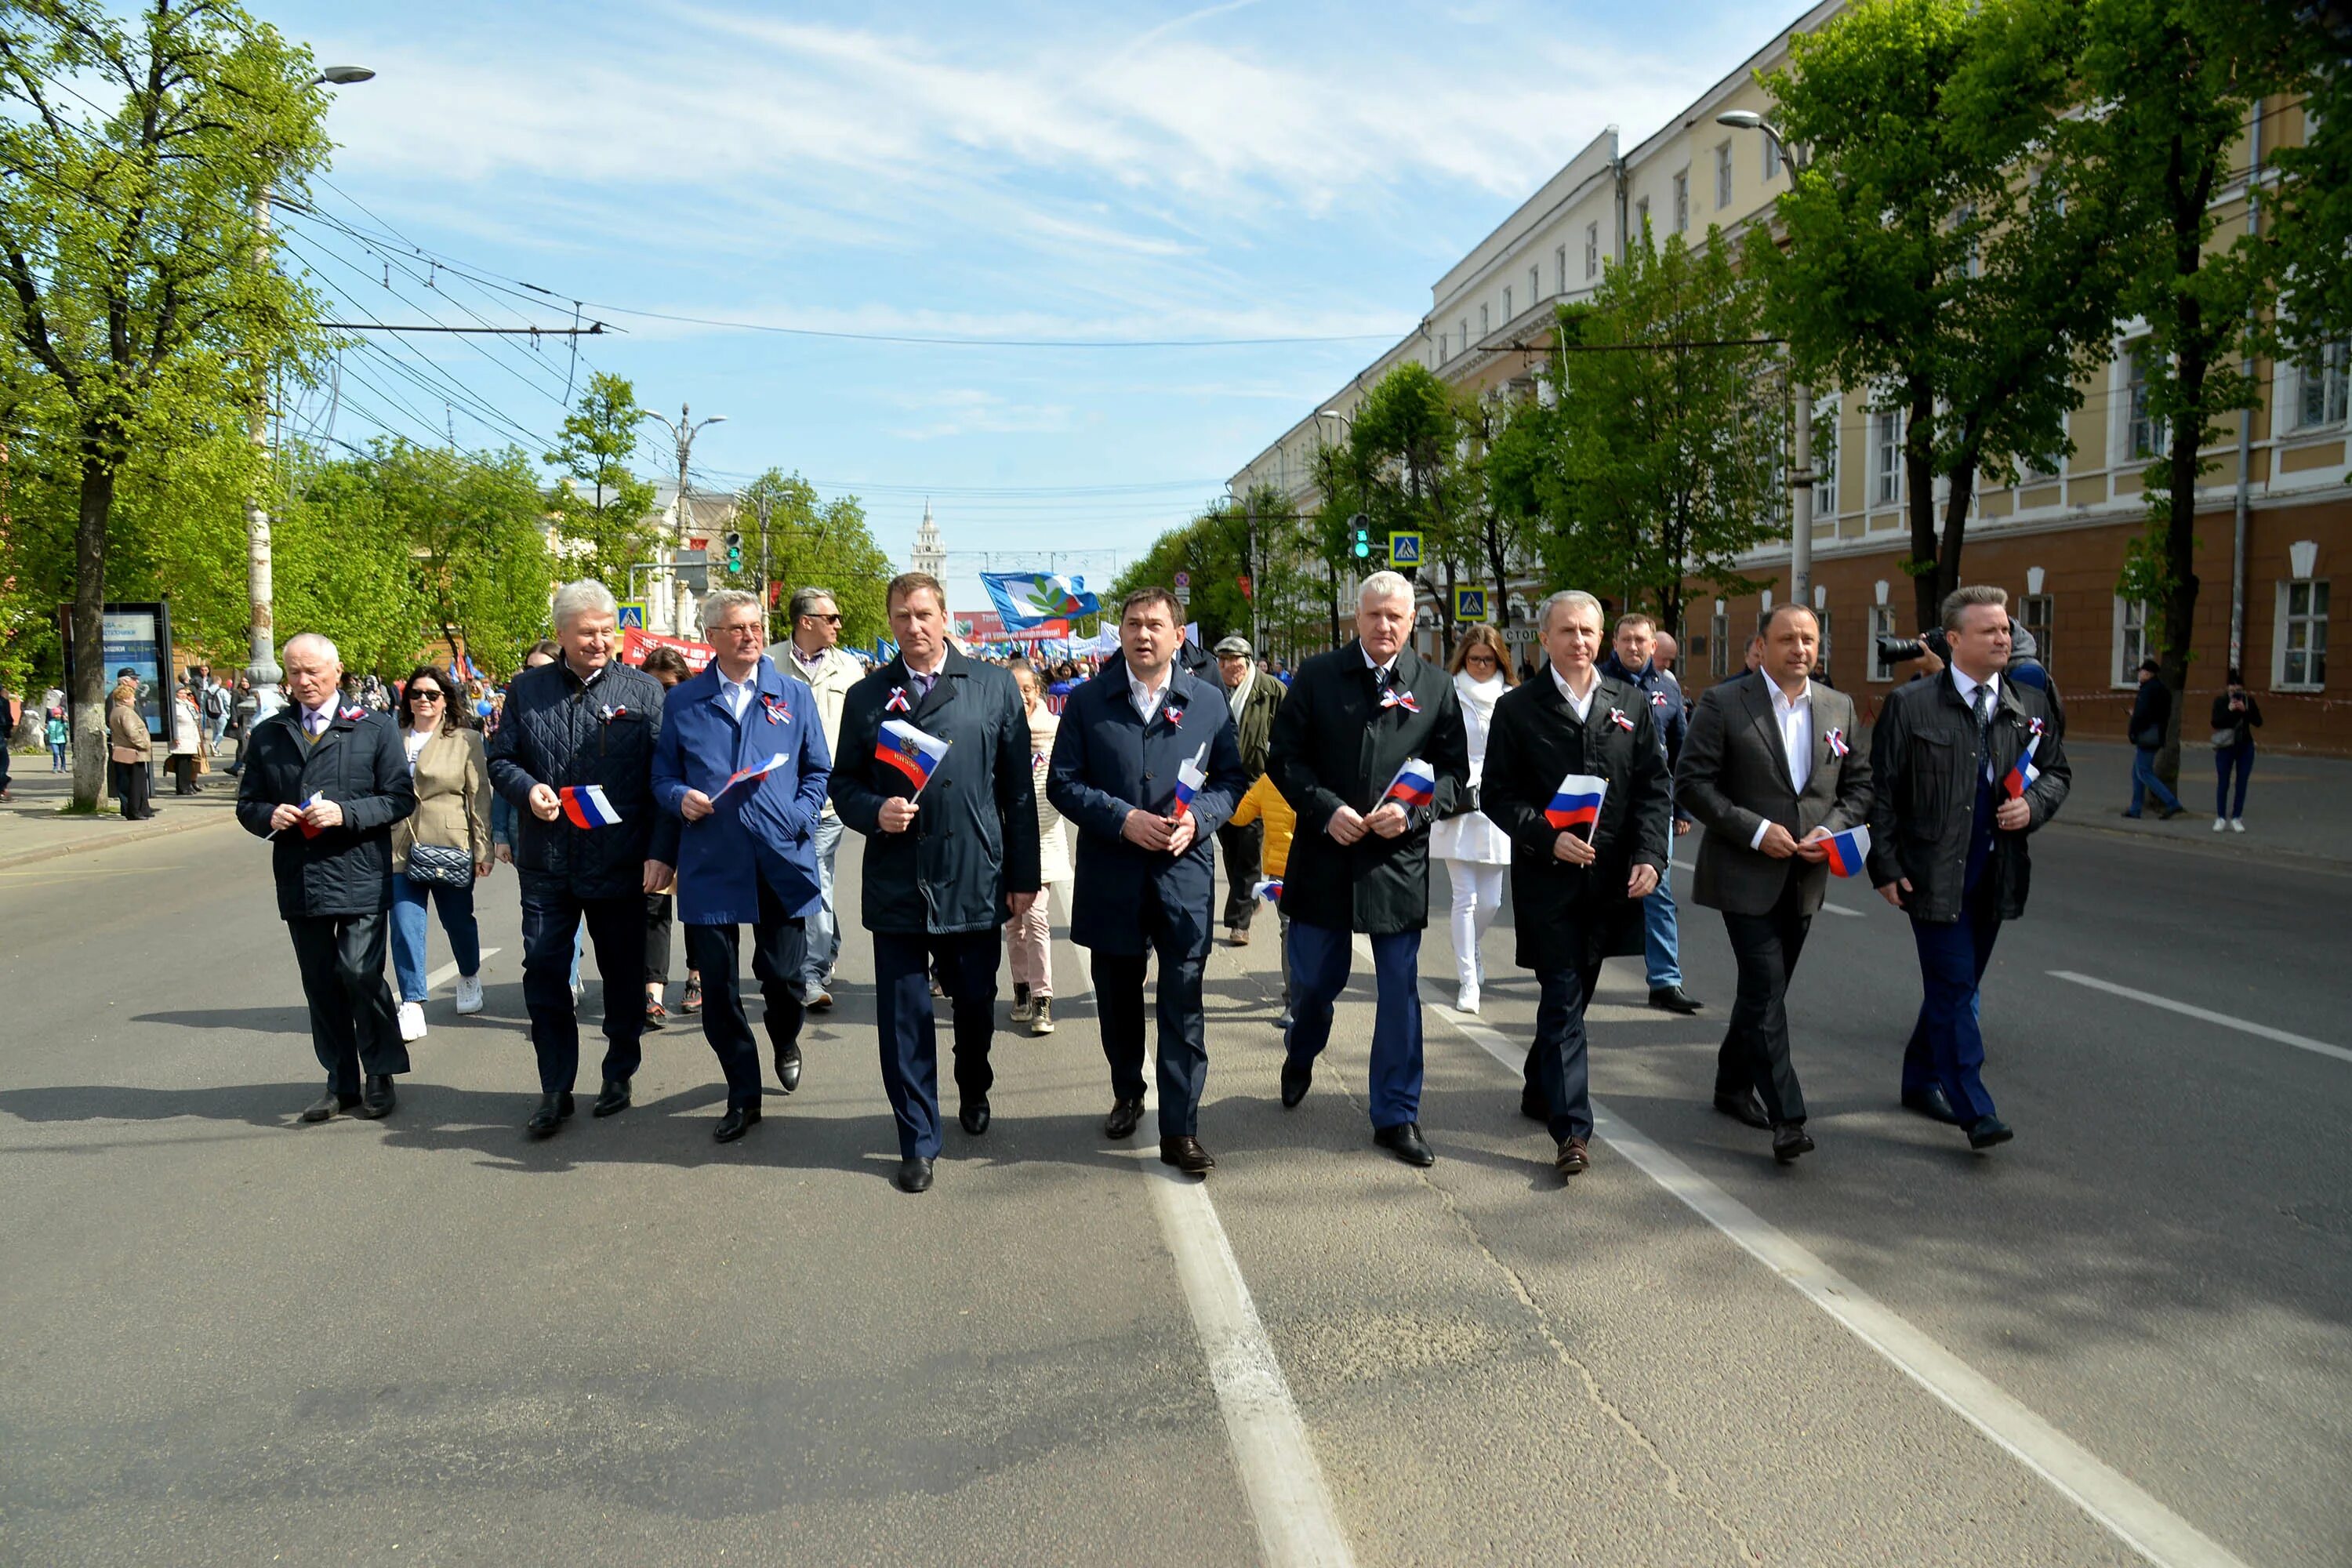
x=1467 y=1001
x=2237 y=825
x=2219 y=822
x=1041 y=1022
x=412 y=1020
x=470 y=993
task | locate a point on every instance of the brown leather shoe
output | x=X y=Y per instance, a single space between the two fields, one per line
x=1187 y=1155
x=1572 y=1159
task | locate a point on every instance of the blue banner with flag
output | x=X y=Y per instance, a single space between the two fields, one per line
x=1026 y=599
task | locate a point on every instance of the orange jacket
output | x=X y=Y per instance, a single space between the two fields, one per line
x=1281 y=822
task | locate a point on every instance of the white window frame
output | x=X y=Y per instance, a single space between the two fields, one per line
x=1642 y=216
x=2130 y=643
x=1723 y=174
x=1465 y=334
x=1442 y=354
x=1822 y=622
x=1719 y=644
x=2314 y=625
x=1560 y=256
x=1486 y=323
x=2038 y=613
x=1535 y=287
x=2032 y=472
x=1826 y=416
x=1886 y=457
x=2333 y=381
x=1591 y=251
x=1882 y=625
x=1681 y=200
x=2131 y=403
x=1508 y=313
x=1771 y=156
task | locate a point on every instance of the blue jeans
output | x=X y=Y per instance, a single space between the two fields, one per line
x=57 y=757
x=1319 y=960
x=1660 y=945
x=2238 y=758
x=1946 y=1047
x=2145 y=782
x=408 y=897
x=822 y=927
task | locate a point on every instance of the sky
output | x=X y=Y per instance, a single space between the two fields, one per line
x=1106 y=175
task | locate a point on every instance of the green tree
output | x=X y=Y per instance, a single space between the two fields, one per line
x=130 y=302
x=603 y=512
x=815 y=543
x=474 y=525
x=1416 y=469
x=2308 y=214
x=344 y=565
x=1931 y=254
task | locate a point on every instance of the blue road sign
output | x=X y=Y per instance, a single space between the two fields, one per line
x=1469 y=604
x=1404 y=548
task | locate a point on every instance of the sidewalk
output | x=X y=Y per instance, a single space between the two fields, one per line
x=31 y=828
x=2298 y=808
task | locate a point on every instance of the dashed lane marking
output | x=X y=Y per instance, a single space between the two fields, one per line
x=2261 y=1031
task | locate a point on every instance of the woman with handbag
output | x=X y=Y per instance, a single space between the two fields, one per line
x=187 y=742
x=126 y=748
x=437 y=853
x=1476 y=853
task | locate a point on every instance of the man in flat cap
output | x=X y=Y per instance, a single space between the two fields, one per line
x=1252 y=697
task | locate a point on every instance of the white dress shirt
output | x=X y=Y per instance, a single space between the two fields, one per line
x=1794 y=716
x=1966 y=684
x=1580 y=706
x=738 y=693
x=1148 y=698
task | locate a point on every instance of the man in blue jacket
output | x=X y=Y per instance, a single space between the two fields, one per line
x=747 y=853
x=1130 y=746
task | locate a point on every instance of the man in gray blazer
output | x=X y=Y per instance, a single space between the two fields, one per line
x=1771 y=768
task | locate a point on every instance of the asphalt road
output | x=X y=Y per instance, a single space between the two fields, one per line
x=232 y=1338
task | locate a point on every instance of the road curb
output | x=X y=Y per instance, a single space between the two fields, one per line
x=55 y=851
x=2282 y=859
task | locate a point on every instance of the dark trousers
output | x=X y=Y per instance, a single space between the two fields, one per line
x=2239 y=759
x=130 y=784
x=716 y=951
x=1946 y=1047
x=1241 y=847
x=616 y=928
x=1557 y=1060
x=353 y=1025
x=1183 y=1037
x=1319 y=960
x=184 y=772
x=1755 y=1052
x=658 y=924
x=909 y=1031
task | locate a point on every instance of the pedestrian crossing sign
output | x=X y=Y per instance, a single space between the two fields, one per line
x=632 y=614
x=1404 y=547
x=1470 y=604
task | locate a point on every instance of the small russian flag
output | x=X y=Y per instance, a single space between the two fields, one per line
x=585 y=806
x=1270 y=888
x=1577 y=803
x=910 y=751
x=1849 y=851
x=1189 y=776
x=309 y=831
x=2022 y=772
x=1415 y=784
x=756 y=770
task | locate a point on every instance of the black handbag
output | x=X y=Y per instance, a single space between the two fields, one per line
x=442 y=865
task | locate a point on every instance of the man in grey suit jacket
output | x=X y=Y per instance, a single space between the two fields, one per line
x=1771 y=768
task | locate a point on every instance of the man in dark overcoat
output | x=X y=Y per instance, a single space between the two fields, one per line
x=326 y=782
x=1361 y=863
x=1126 y=745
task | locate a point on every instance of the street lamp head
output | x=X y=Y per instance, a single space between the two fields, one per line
x=1740 y=119
x=345 y=75
x=716 y=419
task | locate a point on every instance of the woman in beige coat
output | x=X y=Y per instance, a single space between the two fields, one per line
x=127 y=749
x=451 y=770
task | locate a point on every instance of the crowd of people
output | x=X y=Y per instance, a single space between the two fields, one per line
x=630 y=799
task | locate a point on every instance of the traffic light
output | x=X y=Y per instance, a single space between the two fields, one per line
x=734 y=552
x=1362 y=547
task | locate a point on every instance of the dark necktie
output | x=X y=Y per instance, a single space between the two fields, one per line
x=1981 y=703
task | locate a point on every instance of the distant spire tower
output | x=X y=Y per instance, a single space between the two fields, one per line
x=931 y=557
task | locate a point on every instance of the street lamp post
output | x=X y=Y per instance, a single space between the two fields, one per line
x=261 y=651
x=682 y=433
x=1801 y=440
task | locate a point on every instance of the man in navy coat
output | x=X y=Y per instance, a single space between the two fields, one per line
x=1148 y=765
x=746 y=854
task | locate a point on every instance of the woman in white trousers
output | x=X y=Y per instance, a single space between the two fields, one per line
x=1475 y=852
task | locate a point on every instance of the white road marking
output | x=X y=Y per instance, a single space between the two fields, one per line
x=448 y=972
x=1842 y=910
x=2300 y=1042
x=2135 y=1518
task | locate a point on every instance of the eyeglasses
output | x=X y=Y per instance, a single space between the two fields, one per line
x=749 y=631
x=828 y=620
x=424 y=694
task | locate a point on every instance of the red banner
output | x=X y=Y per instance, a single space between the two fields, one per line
x=636 y=644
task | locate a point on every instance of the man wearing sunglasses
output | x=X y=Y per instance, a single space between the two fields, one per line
x=813 y=655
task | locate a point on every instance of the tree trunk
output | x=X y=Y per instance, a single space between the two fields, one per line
x=90 y=682
x=1919 y=500
x=1334 y=566
x=1955 y=519
x=2181 y=535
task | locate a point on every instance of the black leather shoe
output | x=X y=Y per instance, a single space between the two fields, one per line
x=974 y=1116
x=788 y=1067
x=1747 y=1109
x=327 y=1104
x=735 y=1123
x=613 y=1098
x=553 y=1111
x=1789 y=1141
x=1126 y=1115
x=1930 y=1103
x=1187 y=1155
x=1988 y=1130
x=1573 y=1158
x=1673 y=999
x=1404 y=1141
x=1533 y=1105
x=1295 y=1076
x=914 y=1174
x=376 y=1098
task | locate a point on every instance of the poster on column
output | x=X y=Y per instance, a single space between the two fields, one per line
x=136 y=637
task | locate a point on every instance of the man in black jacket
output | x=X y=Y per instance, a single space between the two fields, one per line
x=1360 y=862
x=326 y=785
x=1576 y=891
x=943 y=873
x=2151 y=714
x=1964 y=764
x=1631 y=660
x=586 y=720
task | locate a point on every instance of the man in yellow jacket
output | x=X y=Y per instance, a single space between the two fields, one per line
x=1265 y=802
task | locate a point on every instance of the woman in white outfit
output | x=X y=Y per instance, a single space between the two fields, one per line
x=1476 y=853
x=1029 y=936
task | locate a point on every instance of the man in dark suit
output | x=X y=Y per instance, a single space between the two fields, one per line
x=1254 y=699
x=1576 y=891
x=747 y=853
x=1964 y=765
x=326 y=785
x=1773 y=767
x=1631 y=658
x=943 y=873
x=1145 y=879
x=1360 y=862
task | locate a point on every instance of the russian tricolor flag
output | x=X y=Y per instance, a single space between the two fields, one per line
x=586 y=807
x=1189 y=776
x=2022 y=772
x=910 y=751
x=756 y=771
x=1415 y=784
x=1577 y=803
x=1848 y=851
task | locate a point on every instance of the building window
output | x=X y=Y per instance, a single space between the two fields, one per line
x=2144 y=435
x=2131 y=641
x=1890 y=457
x=1882 y=625
x=1535 y=287
x=1592 y=250
x=1825 y=459
x=1485 y=322
x=1642 y=217
x=2034 y=613
x=1772 y=155
x=2301 y=662
x=1442 y=354
x=2044 y=465
x=1718 y=644
x=1507 y=311
x=1723 y=175
x=1821 y=658
x=1560 y=258
x=1682 y=201
x=1465 y=334
x=2322 y=383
